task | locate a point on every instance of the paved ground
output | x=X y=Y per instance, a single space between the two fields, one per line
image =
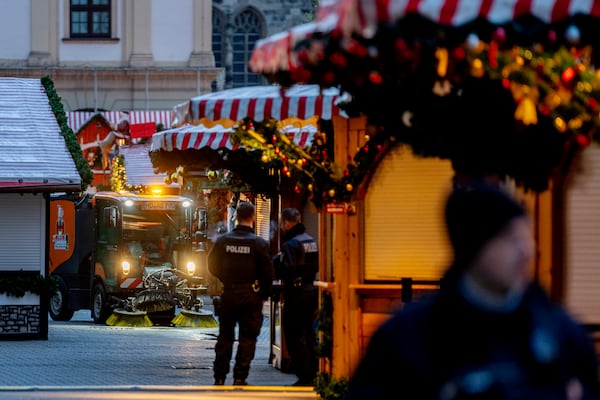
x=82 y=360
x=160 y=393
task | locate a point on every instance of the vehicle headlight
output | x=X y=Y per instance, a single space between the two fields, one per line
x=191 y=268
x=126 y=267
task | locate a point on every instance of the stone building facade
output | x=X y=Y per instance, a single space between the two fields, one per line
x=115 y=55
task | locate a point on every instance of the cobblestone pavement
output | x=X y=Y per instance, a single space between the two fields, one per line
x=80 y=355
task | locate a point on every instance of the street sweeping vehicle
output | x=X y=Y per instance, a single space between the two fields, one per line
x=126 y=256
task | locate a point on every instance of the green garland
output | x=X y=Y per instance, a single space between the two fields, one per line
x=118 y=178
x=329 y=387
x=85 y=172
x=20 y=284
x=325 y=326
x=326 y=385
x=311 y=169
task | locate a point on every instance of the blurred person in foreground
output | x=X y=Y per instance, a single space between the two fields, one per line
x=241 y=260
x=297 y=265
x=490 y=332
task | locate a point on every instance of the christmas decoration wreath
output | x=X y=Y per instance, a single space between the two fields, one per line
x=310 y=170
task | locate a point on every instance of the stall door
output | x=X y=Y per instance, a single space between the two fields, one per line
x=582 y=237
x=22 y=237
x=404 y=227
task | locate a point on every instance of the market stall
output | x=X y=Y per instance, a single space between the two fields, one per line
x=37 y=158
x=206 y=127
x=207 y=145
x=264 y=135
x=206 y=123
x=470 y=89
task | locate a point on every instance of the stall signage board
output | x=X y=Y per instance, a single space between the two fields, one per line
x=336 y=208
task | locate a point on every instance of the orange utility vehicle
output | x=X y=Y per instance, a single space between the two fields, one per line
x=132 y=251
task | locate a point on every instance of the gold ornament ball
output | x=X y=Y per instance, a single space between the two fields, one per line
x=310 y=187
x=331 y=192
x=349 y=187
x=264 y=158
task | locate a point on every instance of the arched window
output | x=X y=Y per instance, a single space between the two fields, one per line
x=248 y=27
x=218 y=37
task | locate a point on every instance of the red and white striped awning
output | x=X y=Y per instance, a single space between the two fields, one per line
x=216 y=137
x=77 y=119
x=274 y=53
x=259 y=103
x=342 y=20
x=363 y=16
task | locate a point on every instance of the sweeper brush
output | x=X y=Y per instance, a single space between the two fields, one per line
x=153 y=301
x=195 y=319
x=122 y=317
x=134 y=311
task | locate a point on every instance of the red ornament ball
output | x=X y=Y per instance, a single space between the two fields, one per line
x=500 y=34
x=582 y=140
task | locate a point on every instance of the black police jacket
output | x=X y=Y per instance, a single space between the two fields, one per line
x=297 y=264
x=444 y=347
x=240 y=258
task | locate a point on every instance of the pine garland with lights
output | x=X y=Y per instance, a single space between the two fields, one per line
x=118 y=178
x=311 y=170
x=85 y=172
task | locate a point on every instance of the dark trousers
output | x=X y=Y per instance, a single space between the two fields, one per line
x=299 y=313
x=245 y=311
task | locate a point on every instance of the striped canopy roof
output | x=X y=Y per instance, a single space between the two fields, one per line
x=77 y=119
x=260 y=102
x=344 y=20
x=202 y=127
x=363 y=16
x=216 y=136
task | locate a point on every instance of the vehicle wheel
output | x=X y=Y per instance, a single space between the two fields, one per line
x=59 y=307
x=100 y=309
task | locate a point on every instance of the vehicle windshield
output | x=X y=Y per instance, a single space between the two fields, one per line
x=153 y=236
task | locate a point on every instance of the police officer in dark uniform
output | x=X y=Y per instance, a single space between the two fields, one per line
x=297 y=265
x=242 y=261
